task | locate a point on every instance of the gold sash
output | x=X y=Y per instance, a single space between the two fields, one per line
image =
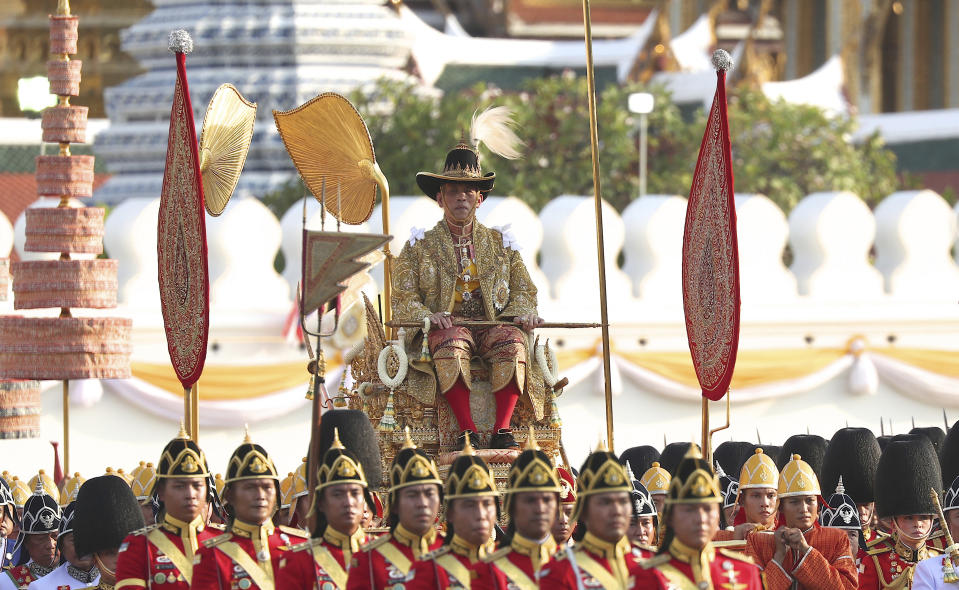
x=592 y=567
x=516 y=575
x=258 y=574
x=395 y=556
x=454 y=568
x=164 y=544
x=325 y=559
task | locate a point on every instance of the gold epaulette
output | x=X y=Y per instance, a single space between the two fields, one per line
x=377 y=542
x=740 y=543
x=145 y=529
x=880 y=550
x=305 y=546
x=879 y=539
x=655 y=561
x=735 y=555
x=293 y=531
x=212 y=541
x=439 y=551
x=490 y=558
x=216 y=526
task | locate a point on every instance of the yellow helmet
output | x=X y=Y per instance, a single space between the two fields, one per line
x=759 y=471
x=20 y=490
x=144 y=478
x=49 y=486
x=656 y=479
x=125 y=476
x=286 y=490
x=71 y=487
x=300 y=482
x=798 y=479
x=219 y=483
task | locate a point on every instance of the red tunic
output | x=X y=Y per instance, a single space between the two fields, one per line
x=322 y=563
x=592 y=561
x=245 y=557
x=683 y=567
x=887 y=560
x=451 y=566
x=515 y=566
x=828 y=565
x=21 y=575
x=387 y=560
x=161 y=556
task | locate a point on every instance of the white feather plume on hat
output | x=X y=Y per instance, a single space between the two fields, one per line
x=494 y=127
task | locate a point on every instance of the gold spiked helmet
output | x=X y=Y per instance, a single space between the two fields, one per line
x=602 y=472
x=532 y=471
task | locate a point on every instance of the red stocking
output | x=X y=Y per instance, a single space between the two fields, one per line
x=505 y=402
x=458 y=397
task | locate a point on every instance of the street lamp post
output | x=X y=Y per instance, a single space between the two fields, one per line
x=641 y=103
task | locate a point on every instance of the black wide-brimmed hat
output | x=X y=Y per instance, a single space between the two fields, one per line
x=462 y=165
x=852 y=455
x=908 y=469
x=106 y=512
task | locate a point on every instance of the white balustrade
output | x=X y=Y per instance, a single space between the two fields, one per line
x=762 y=232
x=914 y=238
x=831 y=234
x=653 y=249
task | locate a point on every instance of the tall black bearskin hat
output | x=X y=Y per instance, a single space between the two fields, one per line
x=106 y=512
x=773 y=451
x=907 y=470
x=949 y=456
x=731 y=455
x=935 y=435
x=852 y=454
x=811 y=447
x=356 y=434
x=532 y=471
x=883 y=440
x=672 y=454
x=600 y=473
x=639 y=458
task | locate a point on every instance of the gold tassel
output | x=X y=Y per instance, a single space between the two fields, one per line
x=554 y=420
x=948 y=572
x=309 y=389
x=388 y=421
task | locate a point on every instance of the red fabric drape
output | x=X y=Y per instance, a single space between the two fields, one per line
x=181 y=242
x=711 y=256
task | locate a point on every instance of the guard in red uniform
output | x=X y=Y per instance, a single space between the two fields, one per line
x=161 y=556
x=247 y=555
x=341 y=489
x=531 y=503
x=908 y=469
x=687 y=558
x=602 y=555
x=415 y=493
x=563 y=525
x=801 y=553
x=37 y=540
x=471 y=513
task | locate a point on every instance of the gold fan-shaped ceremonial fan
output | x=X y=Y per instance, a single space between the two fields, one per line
x=328 y=141
x=224 y=143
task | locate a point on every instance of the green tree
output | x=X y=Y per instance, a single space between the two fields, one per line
x=781 y=150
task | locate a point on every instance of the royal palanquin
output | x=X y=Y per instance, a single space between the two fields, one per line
x=433 y=427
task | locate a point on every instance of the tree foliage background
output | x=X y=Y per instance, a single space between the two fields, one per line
x=781 y=150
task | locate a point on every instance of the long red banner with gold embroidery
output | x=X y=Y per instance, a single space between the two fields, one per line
x=181 y=242
x=711 y=256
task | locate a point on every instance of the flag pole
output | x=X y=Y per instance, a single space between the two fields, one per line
x=598 y=202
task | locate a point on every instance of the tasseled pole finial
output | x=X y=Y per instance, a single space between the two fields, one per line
x=180 y=41
x=722 y=60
